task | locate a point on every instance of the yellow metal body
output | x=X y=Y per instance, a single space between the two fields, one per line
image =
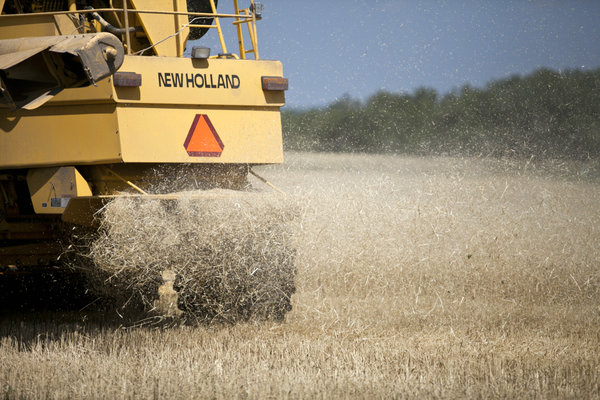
x=158 y=18
x=52 y=188
x=160 y=26
x=150 y=123
x=214 y=116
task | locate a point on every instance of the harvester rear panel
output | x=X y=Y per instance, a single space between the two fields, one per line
x=95 y=102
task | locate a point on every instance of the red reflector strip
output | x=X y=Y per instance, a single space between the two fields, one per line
x=274 y=83
x=127 y=79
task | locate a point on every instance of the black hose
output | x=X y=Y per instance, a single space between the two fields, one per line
x=111 y=28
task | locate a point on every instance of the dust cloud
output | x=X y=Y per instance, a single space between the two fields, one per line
x=385 y=239
x=230 y=251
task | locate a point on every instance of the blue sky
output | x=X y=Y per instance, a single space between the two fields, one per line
x=357 y=47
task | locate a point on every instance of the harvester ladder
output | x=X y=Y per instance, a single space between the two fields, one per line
x=249 y=20
x=217 y=24
x=246 y=16
x=251 y=24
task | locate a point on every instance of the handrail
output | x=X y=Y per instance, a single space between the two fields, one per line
x=252 y=31
x=251 y=26
x=238 y=28
x=218 y=25
x=126 y=22
x=193 y=14
x=241 y=17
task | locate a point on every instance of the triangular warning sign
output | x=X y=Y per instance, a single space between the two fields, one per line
x=203 y=140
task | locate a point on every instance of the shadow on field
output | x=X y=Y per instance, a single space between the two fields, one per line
x=47 y=289
x=50 y=303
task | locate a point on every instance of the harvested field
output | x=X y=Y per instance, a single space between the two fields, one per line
x=417 y=277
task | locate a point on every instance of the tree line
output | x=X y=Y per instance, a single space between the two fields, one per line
x=546 y=113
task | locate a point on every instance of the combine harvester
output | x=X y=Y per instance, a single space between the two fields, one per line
x=98 y=105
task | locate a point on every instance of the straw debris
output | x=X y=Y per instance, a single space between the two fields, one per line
x=231 y=254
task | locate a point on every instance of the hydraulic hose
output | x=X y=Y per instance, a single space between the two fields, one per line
x=111 y=28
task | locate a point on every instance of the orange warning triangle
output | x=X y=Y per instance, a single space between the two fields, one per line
x=202 y=139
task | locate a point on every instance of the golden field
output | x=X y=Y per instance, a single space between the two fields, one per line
x=417 y=278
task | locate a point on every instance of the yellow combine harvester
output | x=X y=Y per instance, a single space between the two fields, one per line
x=97 y=94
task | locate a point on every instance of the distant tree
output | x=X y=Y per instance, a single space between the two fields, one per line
x=547 y=113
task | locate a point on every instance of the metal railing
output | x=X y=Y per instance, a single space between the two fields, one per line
x=241 y=17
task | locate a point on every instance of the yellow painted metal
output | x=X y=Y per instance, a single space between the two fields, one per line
x=88 y=142
x=161 y=26
x=250 y=23
x=129 y=183
x=167 y=80
x=150 y=124
x=165 y=25
x=155 y=119
x=240 y=33
x=156 y=135
x=35 y=25
x=180 y=26
x=253 y=34
x=59 y=135
x=218 y=25
x=103 y=92
x=126 y=23
x=65 y=25
x=51 y=188
x=13 y=27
